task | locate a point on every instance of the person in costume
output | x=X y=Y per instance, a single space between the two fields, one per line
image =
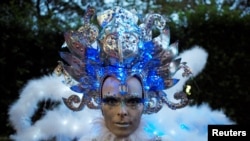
x=124 y=73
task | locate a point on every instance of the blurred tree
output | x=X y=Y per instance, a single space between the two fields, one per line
x=29 y=40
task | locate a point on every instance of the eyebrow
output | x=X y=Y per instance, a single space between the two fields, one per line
x=125 y=96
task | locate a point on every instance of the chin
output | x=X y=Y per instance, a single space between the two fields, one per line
x=123 y=135
x=122 y=132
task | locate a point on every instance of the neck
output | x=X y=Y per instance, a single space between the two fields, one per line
x=122 y=139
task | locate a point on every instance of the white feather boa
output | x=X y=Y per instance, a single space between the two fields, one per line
x=65 y=125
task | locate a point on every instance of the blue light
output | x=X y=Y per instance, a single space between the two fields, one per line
x=149 y=46
x=92 y=54
x=153 y=130
x=184 y=127
x=76 y=89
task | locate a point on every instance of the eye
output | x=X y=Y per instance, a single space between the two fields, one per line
x=134 y=101
x=110 y=101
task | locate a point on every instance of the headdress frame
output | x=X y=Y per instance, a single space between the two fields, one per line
x=129 y=50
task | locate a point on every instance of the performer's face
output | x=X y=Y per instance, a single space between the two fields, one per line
x=122 y=112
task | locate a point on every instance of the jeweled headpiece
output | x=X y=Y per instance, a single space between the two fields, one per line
x=122 y=48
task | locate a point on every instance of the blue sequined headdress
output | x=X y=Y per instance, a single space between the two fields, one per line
x=122 y=48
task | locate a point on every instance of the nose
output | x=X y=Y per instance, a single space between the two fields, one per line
x=122 y=111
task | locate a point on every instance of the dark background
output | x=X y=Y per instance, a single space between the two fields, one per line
x=32 y=33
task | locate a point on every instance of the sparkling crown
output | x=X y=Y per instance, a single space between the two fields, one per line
x=122 y=48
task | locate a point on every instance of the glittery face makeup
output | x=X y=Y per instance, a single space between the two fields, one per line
x=130 y=101
x=122 y=107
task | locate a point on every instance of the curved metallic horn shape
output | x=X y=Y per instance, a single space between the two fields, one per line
x=74 y=99
x=178 y=96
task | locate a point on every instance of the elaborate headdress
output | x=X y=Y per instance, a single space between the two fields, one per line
x=122 y=48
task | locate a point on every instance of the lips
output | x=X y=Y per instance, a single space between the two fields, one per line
x=122 y=124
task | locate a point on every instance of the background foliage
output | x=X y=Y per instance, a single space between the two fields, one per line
x=32 y=33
